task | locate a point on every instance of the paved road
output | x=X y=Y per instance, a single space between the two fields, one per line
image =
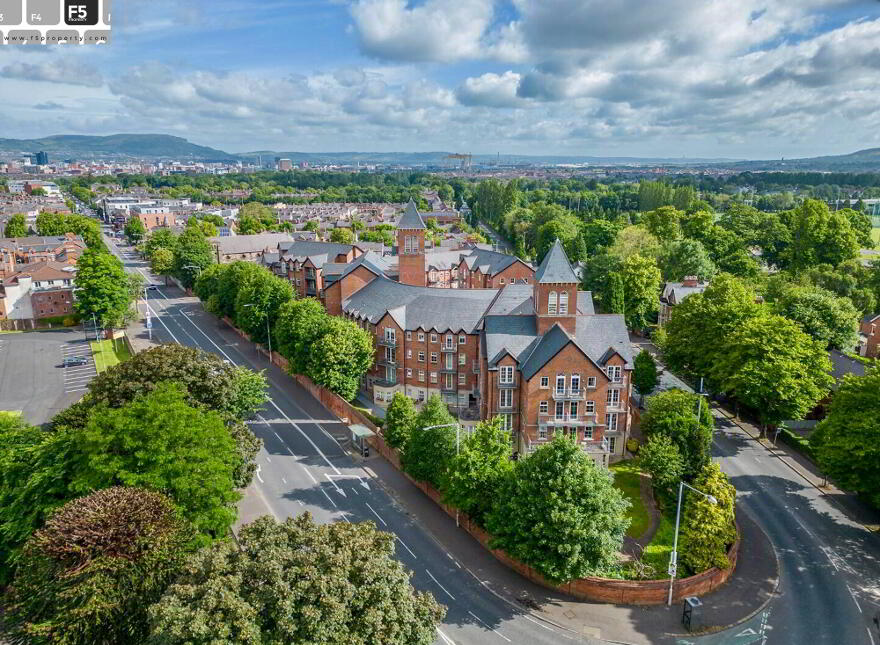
x=32 y=373
x=303 y=468
x=829 y=588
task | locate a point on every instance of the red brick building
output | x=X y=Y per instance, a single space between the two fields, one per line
x=25 y=250
x=411 y=246
x=310 y=266
x=535 y=353
x=869 y=331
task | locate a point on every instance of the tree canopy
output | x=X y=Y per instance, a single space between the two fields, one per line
x=103 y=288
x=431 y=448
x=687 y=420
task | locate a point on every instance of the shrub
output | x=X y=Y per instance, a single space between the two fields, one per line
x=632 y=445
x=707 y=528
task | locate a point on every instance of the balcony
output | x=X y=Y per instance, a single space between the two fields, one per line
x=506 y=410
x=552 y=420
x=449 y=390
x=509 y=385
x=590 y=446
x=446 y=348
x=569 y=395
x=388 y=342
x=384 y=383
x=390 y=362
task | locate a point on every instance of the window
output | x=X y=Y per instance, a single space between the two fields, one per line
x=390 y=374
x=462 y=339
x=614 y=373
x=560 y=410
x=545 y=382
x=575 y=383
x=449 y=381
x=462 y=379
x=391 y=354
x=563 y=303
x=588 y=434
x=613 y=398
x=450 y=341
x=421 y=336
x=505 y=376
x=298 y=282
x=560 y=384
x=421 y=357
x=507 y=421
x=433 y=377
x=390 y=335
x=591 y=407
x=506 y=399
x=433 y=357
x=502 y=280
x=542 y=407
x=408 y=354
x=462 y=359
x=525 y=280
x=573 y=409
x=409 y=335
x=542 y=432
x=408 y=372
x=421 y=375
x=591 y=381
x=611 y=422
x=433 y=338
x=551 y=304
x=450 y=361
x=611 y=442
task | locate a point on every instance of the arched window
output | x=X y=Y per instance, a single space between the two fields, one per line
x=563 y=303
x=551 y=304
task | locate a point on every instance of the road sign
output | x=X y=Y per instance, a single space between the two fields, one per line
x=671 y=571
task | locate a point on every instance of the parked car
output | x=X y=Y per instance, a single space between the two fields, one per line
x=72 y=361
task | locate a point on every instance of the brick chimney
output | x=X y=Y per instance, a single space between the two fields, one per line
x=690 y=281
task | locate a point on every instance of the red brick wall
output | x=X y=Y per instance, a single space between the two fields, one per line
x=516 y=271
x=411 y=266
x=542 y=295
x=341 y=290
x=872 y=331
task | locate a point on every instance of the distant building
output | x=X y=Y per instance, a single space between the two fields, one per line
x=41 y=159
x=152 y=216
x=675 y=292
x=869 y=336
x=285 y=164
x=246 y=247
x=37 y=290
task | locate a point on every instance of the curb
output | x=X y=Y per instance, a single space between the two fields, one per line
x=783 y=457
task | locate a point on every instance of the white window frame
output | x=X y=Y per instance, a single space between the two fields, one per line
x=560 y=378
x=505 y=398
x=575 y=383
x=590 y=407
x=462 y=339
x=421 y=337
x=433 y=338
x=421 y=357
x=573 y=409
x=409 y=335
x=450 y=341
x=551 y=304
x=588 y=434
x=462 y=378
x=422 y=375
x=408 y=372
x=433 y=377
x=462 y=359
x=611 y=421
x=611 y=443
x=543 y=407
x=545 y=382
x=559 y=410
x=434 y=357
x=542 y=432
x=505 y=375
x=563 y=303
x=507 y=422
x=614 y=373
x=612 y=399
x=450 y=361
x=591 y=381
x=390 y=335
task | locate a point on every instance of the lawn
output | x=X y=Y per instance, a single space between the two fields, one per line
x=108 y=353
x=660 y=547
x=626 y=479
x=875 y=235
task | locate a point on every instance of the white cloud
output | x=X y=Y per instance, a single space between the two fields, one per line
x=59 y=70
x=492 y=90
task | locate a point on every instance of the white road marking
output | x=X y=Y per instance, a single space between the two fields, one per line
x=870 y=635
x=406 y=547
x=855 y=600
x=258 y=475
x=446 y=639
x=439 y=585
x=283 y=481
x=487 y=626
x=329 y=498
x=376 y=514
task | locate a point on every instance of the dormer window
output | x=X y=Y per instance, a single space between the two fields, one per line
x=551 y=304
x=563 y=303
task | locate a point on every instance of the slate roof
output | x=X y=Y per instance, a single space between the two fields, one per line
x=235 y=244
x=601 y=332
x=369 y=260
x=546 y=348
x=415 y=307
x=411 y=219
x=508 y=334
x=841 y=365
x=870 y=318
x=514 y=300
x=585 y=303
x=489 y=262
x=675 y=292
x=555 y=267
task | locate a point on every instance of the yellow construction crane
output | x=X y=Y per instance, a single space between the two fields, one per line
x=465 y=160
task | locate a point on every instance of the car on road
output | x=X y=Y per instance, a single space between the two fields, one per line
x=150 y=287
x=73 y=361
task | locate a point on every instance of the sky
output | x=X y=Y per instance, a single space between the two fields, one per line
x=758 y=79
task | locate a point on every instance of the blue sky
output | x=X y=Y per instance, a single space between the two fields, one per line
x=711 y=78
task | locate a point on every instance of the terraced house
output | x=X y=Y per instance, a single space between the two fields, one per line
x=535 y=353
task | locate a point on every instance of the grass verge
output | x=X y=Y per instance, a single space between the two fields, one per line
x=108 y=353
x=626 y=479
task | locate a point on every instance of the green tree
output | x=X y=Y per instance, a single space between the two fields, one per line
x=162 y=262
x=686 y=257
x=342 y=236
x=299 y=325
x=399 y=420
x=192 y=254
x=641 y=289
x=644 y=376
x=258 y=301
x=134 y=230
x=565 y=228
x=311 y=226
x=597 y=278
x=707 y=528
x=89 y=575
x=16 y=226
x=102 y=288
x=701 y=321
x=660 y=457
x=674 y=413
x=160 y=442
x=773 y=367
x=817 y=236
x=208 y=380
x=663 y=223
x=340 y=357
x=296 y=582
x=479 y=469
x=51 y=224
x=598 y=235
x=635 y=240
x=829 y=319
x=161 y=238
x=429 y=452
x=847 y=441
x=560 y=513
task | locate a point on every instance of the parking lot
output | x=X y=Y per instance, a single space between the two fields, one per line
x=33 y=377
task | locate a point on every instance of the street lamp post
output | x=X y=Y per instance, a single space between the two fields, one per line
x=268 y=331
x=457 y=445
x=673 y=558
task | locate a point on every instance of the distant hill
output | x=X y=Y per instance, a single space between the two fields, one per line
x=867 y=160
x=151 y=146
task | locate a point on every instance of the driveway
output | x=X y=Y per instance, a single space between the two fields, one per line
x=33 y=378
